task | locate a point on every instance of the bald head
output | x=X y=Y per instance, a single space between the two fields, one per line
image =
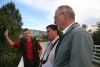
x=67 y=10
x=64 y=16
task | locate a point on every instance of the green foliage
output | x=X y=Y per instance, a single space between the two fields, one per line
x=1 y=40
x=96 y=36
x=10 y=18
x=9 y=59
x=9 y=56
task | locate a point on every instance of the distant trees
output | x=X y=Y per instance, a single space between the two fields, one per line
x=96 y=35
x=10 y=18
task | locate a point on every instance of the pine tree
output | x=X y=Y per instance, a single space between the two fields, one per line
x=11 y=19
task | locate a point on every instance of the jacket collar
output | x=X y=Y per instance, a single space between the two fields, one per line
x=72 y=27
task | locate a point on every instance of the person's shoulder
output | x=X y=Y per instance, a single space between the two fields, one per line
x=81 y=32
x=21 y=39
x=79 y=29
x=34 y=38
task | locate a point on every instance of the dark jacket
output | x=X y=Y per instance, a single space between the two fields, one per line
x=35 y=50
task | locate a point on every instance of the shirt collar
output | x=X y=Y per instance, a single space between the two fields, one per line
x=66 y=29
x=55 y=39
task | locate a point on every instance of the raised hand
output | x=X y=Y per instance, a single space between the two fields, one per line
x=6 y=33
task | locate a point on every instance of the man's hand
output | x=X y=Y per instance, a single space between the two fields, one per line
x=6 y=33
x=7 y=38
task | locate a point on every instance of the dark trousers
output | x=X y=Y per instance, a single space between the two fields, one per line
x=30 y=63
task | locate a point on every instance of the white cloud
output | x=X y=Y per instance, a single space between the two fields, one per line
x=37 y=24
x=45 y=5
x=84 y=9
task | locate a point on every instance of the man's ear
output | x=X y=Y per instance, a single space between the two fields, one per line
x=56 y=31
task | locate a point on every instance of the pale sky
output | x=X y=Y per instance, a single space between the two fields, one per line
x=37 y=14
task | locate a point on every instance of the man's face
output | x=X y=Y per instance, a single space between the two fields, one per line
x=51 y=34
x=59 y=19
x=26 y=34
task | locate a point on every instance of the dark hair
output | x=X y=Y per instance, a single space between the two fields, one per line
x=53 y=27
x=26 y=29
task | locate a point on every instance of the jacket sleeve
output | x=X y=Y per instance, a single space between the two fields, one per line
x=81 y=50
